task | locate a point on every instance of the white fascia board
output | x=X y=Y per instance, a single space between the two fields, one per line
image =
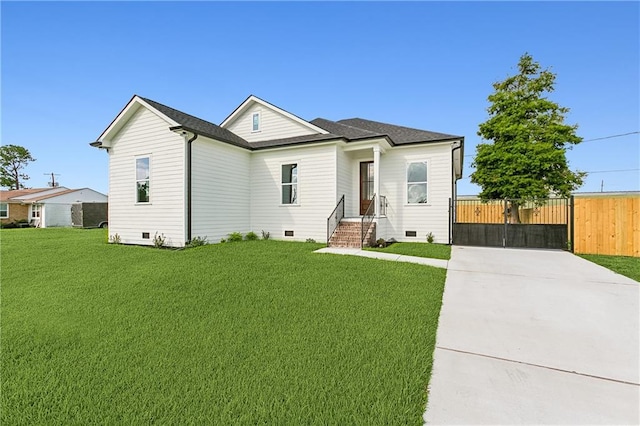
x=381 y=143
x=253 y=99
x=124 y=116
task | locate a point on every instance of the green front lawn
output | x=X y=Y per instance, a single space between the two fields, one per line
x=248 y=332
x=434 y=251
x=624 y=265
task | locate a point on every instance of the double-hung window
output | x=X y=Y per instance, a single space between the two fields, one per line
x=417 y=182
x=142 y=179
x=290 y=184
x=4 y=210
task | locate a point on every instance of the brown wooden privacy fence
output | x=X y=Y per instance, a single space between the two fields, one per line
x=603 y=223
x=607 y=224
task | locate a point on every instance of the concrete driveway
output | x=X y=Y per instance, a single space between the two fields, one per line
x=535 y=337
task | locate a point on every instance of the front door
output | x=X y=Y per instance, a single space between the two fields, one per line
x=366 y=185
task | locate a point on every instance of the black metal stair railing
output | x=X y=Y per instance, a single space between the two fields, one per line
x=334 y=219
x=367 y=220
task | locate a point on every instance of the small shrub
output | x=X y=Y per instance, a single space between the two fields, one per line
x=265 y=235
x=234 y=236
x=430 y=237
x=222 y=240
x=8 y=225
x=197 y=242
x=251 y=236
x=381 y=243
x=311 y=240
x=159 y=240
x=115 y=239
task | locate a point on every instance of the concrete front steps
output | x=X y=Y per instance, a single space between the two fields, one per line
x=348 y=234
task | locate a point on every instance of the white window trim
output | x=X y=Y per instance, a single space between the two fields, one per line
x=7 y=216
x=35 y=208
x=259 y=114
x=135 y=179
x=406 y=182
x=285 y=163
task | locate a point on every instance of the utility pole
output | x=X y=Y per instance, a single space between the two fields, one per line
x=53 y=183
x=602 y=186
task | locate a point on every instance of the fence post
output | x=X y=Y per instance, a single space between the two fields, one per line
x=571 y=223
x=504 y=233
x=450 y=222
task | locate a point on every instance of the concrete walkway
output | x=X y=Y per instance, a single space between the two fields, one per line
x=385 y=256
x=535 y=337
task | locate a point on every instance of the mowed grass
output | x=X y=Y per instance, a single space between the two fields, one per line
x=434 y=251
x=235 y=333
x=623 y=265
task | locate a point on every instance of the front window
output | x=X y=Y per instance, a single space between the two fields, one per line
x=35 y=211
x=417 y=182
x=142 y=180
x=289 y=184
x=4 y=210
x=255 y=122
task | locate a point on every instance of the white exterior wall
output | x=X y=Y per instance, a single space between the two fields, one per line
x=316 y=192
x=344 y=180
x=146 y=134
x=272 y=125
x=221 y=192
x=54 y=215
x=422 y=218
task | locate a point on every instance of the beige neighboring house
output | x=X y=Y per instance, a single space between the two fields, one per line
x=44 y=207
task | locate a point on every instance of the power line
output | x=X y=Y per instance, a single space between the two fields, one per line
x=614 y=171
x=594 y=139
x=596 y=171
x=611 y=137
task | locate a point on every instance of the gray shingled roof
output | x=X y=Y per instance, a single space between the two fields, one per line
x=318 y=137
x=198 y=125
x=344 y=130
x=350 y=129
x=400 y=135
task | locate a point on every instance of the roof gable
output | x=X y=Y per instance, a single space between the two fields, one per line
x=175 y=119
x=135 y=103
x=275 y=123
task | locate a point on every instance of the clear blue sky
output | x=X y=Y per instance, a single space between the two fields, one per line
x=68 y=68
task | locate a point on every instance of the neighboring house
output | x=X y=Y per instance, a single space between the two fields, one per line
x=15 y=210
x=265 y=169
x=46 y=207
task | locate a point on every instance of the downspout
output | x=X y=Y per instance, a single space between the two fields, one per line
x=189 y=150
x=458 y=146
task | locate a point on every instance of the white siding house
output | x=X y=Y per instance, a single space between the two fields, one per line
x=265 y=169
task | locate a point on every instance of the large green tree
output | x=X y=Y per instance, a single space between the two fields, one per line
x=525 y=159
x=13 y=159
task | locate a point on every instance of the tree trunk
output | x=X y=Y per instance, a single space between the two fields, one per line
x=514 y=212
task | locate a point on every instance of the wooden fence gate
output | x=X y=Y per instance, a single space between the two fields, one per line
x=512 y=223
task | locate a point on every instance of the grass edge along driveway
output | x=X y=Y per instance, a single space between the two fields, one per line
x=250 y=332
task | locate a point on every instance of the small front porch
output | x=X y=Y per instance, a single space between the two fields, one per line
x=357 y=231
